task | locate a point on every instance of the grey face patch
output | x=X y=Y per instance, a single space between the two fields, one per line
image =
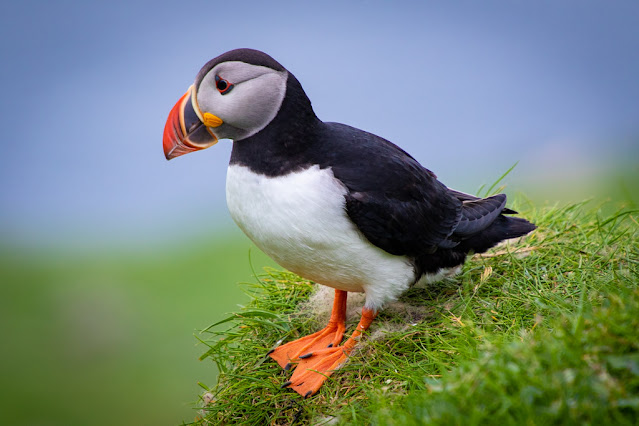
x=253 y=103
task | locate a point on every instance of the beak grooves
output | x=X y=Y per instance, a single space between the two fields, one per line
x=184 y=130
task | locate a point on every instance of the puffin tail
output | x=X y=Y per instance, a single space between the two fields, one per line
x=483 y=224
x=503 y=228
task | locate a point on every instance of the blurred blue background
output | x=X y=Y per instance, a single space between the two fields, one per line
x=112 y=257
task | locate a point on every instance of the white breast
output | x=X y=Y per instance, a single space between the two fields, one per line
x=300 y=221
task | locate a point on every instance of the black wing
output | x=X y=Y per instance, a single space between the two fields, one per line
x=401 y=207
x=395 y=202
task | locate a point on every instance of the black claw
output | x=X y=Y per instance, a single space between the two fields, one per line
x=308 y=355
x=330 y=345
x=288 y=366
x=285 y=384
x=309 y=393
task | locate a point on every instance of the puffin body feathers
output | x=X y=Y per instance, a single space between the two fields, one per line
x=390 y=200
x=299 y=220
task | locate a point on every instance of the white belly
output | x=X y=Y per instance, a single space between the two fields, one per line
x=300 y=221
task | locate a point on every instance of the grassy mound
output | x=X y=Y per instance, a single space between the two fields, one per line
x=543 y=330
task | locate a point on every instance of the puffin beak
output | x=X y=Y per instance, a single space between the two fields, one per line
x=185 y=129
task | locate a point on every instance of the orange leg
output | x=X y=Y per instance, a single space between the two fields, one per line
x=314 y=368
x=330 y=336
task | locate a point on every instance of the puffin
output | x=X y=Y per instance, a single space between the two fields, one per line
x=332 y=203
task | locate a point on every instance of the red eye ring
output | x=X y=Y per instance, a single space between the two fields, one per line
x=222 y=86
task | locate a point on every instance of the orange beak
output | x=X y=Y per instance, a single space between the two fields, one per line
x=184 y=130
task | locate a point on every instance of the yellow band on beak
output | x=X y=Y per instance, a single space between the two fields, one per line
x=211 y=120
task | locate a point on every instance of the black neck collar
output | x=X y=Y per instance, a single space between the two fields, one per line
x=282 y=146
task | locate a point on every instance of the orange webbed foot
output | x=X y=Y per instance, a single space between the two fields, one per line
x=313 y=370
x=328 y=337
x=314 y=367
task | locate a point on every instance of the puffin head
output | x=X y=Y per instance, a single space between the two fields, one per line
x=234 y=96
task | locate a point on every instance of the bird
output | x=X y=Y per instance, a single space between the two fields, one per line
x=334 y=204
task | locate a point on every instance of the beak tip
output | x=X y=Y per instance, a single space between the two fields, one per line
x=168 y=151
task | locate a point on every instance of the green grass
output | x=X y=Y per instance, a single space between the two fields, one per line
x=542 y=331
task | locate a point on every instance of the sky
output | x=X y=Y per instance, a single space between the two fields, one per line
x=468 y=88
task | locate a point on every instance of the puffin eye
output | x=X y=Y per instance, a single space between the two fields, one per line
x=223 y=86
